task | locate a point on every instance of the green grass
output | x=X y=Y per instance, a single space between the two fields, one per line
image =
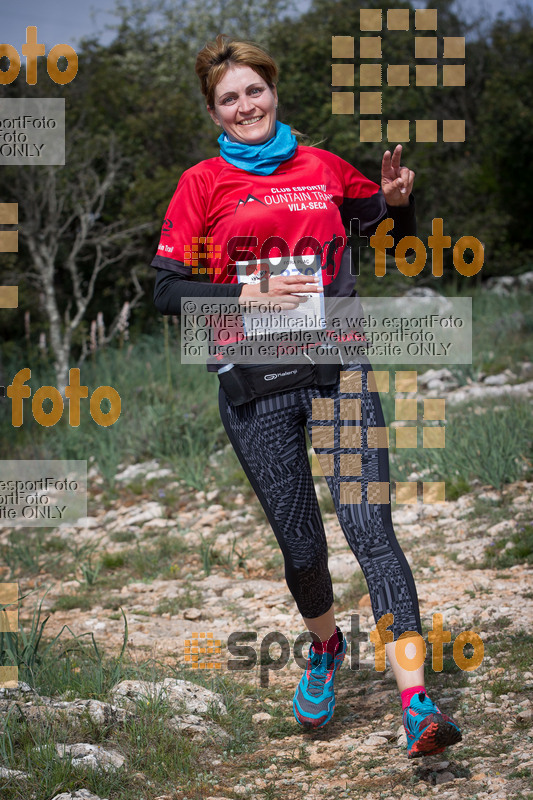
x=228 y=561
x=493 y=446
x=191 y=598
x=275 y=565
x=164 y=557
x=28 y=550
x=170 y=412
x=490 y=445
x=122 y=536
x=511 y=650
x=524 y=772
x=358 y=587
x=66 y=602
x=456 y=487
x=172 y=417
x=499 y=555
x=75 y=667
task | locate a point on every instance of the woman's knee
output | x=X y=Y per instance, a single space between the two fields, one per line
x=311 y=573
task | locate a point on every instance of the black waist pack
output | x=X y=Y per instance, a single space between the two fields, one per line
x=243 y=385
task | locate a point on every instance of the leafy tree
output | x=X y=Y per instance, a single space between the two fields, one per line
x=503 y=170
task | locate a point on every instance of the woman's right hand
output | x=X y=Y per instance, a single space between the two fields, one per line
x=282 y=292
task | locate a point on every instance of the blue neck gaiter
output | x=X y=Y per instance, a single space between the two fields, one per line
x=260 y=159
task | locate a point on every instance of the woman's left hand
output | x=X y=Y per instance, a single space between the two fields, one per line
x=396 y=181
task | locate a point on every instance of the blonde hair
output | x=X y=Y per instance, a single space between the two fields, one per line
x=215 y=58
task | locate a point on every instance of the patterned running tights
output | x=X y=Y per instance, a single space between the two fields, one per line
x=343 y=423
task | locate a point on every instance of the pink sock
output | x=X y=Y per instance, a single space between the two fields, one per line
x=330 y=645
x=408 y=693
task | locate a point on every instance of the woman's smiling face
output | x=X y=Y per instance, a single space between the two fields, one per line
x=245 y=106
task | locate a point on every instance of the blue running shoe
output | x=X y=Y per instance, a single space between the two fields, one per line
x=428 y=730
x=314 y=699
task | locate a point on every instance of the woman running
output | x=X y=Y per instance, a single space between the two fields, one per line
x=266 y=191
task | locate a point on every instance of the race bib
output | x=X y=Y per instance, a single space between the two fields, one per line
x=308 y=316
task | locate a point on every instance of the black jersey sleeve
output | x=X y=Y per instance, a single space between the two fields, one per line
x=170 y=287
x=404 y=218
x=362 y=216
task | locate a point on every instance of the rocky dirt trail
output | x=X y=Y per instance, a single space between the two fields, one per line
x=361 y=753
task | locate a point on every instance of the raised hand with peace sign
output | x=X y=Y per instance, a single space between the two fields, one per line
x=396 y=181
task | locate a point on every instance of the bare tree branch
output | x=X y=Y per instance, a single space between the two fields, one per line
x=63 y=230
